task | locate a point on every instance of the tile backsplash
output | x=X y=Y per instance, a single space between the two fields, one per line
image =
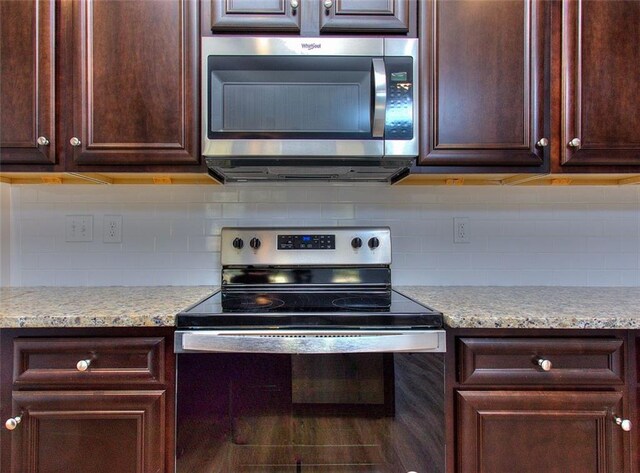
x=5 y=234
x=576 y=236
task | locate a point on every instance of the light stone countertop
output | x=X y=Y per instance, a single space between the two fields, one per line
x=470 y=307
x=532 y=306
x=143 y=306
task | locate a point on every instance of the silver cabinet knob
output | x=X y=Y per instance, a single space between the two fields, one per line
x=545 y=364
x=294 y=4
x=328 y=4
x=83 y=365
x=13 y=422
x=574 y=143
x=542 y=142
x=75 y=141
x=625 y=424
x=43 y=141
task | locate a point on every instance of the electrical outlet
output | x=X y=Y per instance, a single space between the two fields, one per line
x=79 y=228
x=461 y=230
x=112 y=229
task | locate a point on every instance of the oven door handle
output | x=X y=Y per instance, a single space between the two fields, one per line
x=380 y=98
x=310 y=341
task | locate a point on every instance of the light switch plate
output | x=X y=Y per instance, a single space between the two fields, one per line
x=79 y=228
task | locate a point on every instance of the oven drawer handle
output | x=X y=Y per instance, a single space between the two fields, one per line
x=305 y=342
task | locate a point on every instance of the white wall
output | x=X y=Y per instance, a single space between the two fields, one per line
x=519 y=235
x=5 y=234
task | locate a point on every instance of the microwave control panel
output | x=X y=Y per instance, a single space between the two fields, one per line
x=399 y=115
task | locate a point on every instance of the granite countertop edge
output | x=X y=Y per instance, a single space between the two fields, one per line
x=532 y=307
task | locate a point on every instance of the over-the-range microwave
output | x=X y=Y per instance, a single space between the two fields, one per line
x=340 y=109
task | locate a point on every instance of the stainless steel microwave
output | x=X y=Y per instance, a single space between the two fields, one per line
x=309 y=108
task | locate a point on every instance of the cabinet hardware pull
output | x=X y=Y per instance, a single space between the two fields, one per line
x=574 y=143
x=542 y=142
x=83 y=365
x=328 y=4
x=43 y=141
x=294 y=4
x=13 y=422
x=545 y=364
x=75 y=141
x=625 y=424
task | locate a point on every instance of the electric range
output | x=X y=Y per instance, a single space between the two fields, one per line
x=311 y=282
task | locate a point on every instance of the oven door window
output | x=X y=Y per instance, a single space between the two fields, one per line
x=255 y=97
x=342 y=413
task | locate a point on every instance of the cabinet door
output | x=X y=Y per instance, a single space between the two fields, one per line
x=601 y=56
x=482 y=85
x=384 y=16
x=88 y=432
x=135 y=94
x=26 y=77
x=252 y=15
x=531 y=432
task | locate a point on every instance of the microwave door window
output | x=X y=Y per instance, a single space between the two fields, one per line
x=290 y=97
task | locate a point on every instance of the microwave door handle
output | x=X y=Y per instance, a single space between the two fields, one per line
x=380 y=97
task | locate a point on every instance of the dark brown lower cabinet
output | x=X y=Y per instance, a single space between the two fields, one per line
x=533 y=432
x=89 y=432
x=87 y=400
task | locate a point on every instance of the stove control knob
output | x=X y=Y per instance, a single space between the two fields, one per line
x=255 y=243
x=238 y=243
x=356 y=242
x=374 y=243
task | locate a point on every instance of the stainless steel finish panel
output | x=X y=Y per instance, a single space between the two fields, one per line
x=405 y=47
x=310 y=341
x=380 y=97
x=401 y=47
x=294 y=46
x=268 y=254
x=407 y=148
x=255 y=148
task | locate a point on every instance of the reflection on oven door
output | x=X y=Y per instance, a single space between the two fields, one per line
x=374 y=413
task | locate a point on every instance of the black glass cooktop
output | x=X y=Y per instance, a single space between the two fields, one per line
x=310 y=309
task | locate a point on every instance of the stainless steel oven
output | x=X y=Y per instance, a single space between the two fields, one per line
x=278 y=108
x=307 y=360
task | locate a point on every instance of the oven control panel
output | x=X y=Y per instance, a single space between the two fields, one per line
x=318 y=246
x=306 y=242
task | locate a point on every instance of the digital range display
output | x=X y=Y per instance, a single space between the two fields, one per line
x=306 y=242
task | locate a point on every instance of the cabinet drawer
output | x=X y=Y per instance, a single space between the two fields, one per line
x=111 y=361
x=514 y=361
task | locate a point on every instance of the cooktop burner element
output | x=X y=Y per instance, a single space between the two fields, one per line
x=240 y=303
x=307 y=278
x=362 y=302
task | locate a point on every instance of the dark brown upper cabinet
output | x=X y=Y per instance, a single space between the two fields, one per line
x=133 y=84
x=342 y=16
x=99 y=85
x=27 y=95
x=251 y=15
x=600 y=59
x=483 y=84
x=313 y=17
